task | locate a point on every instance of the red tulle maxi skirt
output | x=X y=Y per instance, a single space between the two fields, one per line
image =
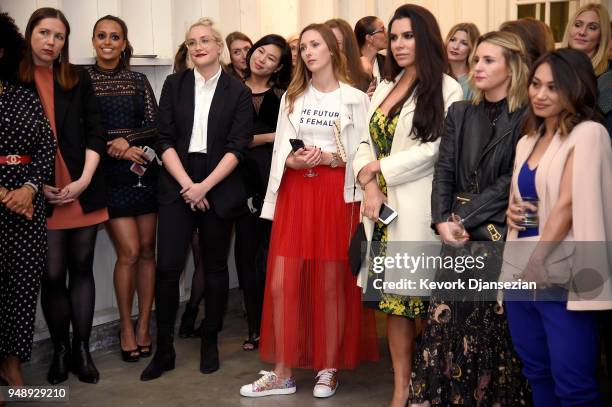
x=313 y=315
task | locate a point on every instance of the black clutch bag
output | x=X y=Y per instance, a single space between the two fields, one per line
x=357 y=249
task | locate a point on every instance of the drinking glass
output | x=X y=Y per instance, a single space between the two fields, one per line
x=532 y=219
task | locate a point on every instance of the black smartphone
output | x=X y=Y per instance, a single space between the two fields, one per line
x=296 y=144
x=387 y=214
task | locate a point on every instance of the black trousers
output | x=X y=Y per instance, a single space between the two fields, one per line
x=251 y=256
x=176 y=223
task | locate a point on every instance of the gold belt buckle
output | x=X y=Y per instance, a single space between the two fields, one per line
x=13 y=159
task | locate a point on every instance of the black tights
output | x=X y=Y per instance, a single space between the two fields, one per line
x=71 y=251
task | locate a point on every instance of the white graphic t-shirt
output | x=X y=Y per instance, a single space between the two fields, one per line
x=319 y=112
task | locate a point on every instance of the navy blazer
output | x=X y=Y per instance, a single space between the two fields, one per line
x=230 y=122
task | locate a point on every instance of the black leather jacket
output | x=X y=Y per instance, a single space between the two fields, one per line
x=472 y=161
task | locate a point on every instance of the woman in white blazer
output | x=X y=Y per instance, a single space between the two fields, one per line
x=312 y=314
x=395 y=163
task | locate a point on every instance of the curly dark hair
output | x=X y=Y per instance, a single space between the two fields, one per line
x=13 y=45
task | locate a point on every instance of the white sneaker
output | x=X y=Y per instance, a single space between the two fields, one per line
x=268 y=385
x=327 y=383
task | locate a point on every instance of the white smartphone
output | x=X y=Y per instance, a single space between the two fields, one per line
x=148 y=155
x=387 y=214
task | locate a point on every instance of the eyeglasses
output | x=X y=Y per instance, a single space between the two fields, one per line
x=380 y=30
x=203 y=41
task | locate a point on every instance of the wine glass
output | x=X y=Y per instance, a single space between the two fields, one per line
x=458 y=231
x=139 y=170
x=139 y=183
x=310 y=172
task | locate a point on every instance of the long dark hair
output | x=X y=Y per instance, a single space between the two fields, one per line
x=351 y=52
x=576 y=84
x=126 y=55
x=63 y=71
x=11 y=41
x=431 y=63
x=281 y=78
x=364 y=27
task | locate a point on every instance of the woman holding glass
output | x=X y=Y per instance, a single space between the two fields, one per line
x=312 y=315
x=466 y=356
x=563 y=166
x=128 y=109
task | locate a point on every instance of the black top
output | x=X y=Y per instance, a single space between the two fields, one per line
x=230 y=122
x=476 y=156
x=256 y=166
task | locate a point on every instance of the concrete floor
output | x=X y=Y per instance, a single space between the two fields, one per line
x=369 y=385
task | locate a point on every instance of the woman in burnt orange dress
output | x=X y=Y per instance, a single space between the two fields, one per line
x=75 y=193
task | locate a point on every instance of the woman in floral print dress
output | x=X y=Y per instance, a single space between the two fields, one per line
x=394 y=164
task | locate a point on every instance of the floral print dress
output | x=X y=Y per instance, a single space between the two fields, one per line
x=382 y=130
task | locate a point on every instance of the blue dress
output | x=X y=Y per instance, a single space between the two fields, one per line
x=128 y=109
x=527 y=189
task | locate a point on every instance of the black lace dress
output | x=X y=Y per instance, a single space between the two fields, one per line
x=128 y=109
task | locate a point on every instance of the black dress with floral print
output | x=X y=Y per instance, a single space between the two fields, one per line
x=382 y=129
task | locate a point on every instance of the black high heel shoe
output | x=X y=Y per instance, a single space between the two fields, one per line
x=60 y=365
x=145 y=350
x=82 y=363
x=251 y=343
x=130 y=355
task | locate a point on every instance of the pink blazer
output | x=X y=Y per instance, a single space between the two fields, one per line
x=591 y=214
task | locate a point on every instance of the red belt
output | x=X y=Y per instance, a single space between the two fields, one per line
x=15 y=159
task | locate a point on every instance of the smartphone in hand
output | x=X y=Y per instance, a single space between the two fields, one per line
x=148 y=155
x=387 y=214
x=296 y=144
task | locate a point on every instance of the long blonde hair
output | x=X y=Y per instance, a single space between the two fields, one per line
x=600 y=58
x=472 y=33
x=514 y=53
x=302 y=75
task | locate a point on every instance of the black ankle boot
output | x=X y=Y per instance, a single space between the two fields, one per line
x=165 y=356
x=60 y=366
x=82 y=364
x=209 y=352
x=187 y=327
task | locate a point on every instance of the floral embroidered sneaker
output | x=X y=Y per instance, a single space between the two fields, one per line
x=267 y=385
x=327 y=383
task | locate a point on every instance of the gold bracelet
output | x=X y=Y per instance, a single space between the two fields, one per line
x=30 y=188
x=3 y=192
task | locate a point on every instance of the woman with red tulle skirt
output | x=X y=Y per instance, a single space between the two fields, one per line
x=313 y=316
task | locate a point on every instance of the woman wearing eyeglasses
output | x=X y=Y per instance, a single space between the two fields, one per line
x=204 y=124
x=371 y=37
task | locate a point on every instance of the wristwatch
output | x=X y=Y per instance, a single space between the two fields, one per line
x=334 y=161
